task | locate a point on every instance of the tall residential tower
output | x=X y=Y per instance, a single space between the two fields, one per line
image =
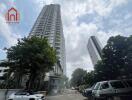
x=95 y=49
x=49 y=25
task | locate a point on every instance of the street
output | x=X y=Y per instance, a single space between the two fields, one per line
x=68 y=95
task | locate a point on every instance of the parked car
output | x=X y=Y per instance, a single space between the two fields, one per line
x=107 y=89
x=26 y=95
x=88 y=92
x=73 y=88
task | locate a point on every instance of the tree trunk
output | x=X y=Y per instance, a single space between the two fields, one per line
x=31 y=81
x=18 y=80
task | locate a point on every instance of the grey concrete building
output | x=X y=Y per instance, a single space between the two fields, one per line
x=94 y=49
x=49 y=25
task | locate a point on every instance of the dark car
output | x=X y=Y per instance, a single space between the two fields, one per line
x=88 y=92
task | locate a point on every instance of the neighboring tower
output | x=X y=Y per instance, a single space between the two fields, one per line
x=49 y=25
x=95 y=49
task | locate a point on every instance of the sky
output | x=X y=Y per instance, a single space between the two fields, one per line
x=81 y=19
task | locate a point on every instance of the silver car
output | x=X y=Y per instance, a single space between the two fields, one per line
x=108 y=89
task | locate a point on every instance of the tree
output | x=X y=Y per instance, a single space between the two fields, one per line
x=78 y=77
x=116 y=59
x=31 y=57
x=90 y=78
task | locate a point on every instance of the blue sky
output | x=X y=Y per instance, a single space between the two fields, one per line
x=81 y=19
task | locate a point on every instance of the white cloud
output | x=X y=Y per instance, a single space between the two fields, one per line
x=105 y=7
x=127 y=16
x=1 y=50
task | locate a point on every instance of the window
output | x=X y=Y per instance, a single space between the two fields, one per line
x=6 y=70
x=53 y=81
x=129 y=82
x=2 y=78
x=97 y=86
x=21 y=93
x=117 y=84
x=105 y=85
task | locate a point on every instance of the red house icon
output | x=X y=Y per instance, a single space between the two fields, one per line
x=12 y=15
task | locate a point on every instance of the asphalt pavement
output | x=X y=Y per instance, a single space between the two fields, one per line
x=68 y=95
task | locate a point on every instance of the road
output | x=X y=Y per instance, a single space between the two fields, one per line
x=68 y=95
x=74 y=95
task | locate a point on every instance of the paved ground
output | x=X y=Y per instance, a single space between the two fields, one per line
x=68 y=95
x=74 y=95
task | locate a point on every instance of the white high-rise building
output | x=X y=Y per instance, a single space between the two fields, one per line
x=95 y=49
x=49 y=25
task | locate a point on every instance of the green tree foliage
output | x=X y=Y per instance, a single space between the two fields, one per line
x=31 y=57
x=116 y=59
x=78 y=77
x=89 y=78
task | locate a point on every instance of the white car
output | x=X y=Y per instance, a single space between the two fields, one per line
x=108 y=89
x=24 y=95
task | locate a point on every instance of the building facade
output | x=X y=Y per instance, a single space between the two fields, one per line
x=49 y=25
x=94 y=49
x=3 y=71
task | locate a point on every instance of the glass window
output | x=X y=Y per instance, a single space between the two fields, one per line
x=105 y=85
x=129 y=82
x=97 y=86
x=6 y=70
x=21 y=93
x=117 y=84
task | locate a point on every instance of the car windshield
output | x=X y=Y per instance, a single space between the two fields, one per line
x=23 y=93
x=97 y=86
x=93 y=86
x=117 y=84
